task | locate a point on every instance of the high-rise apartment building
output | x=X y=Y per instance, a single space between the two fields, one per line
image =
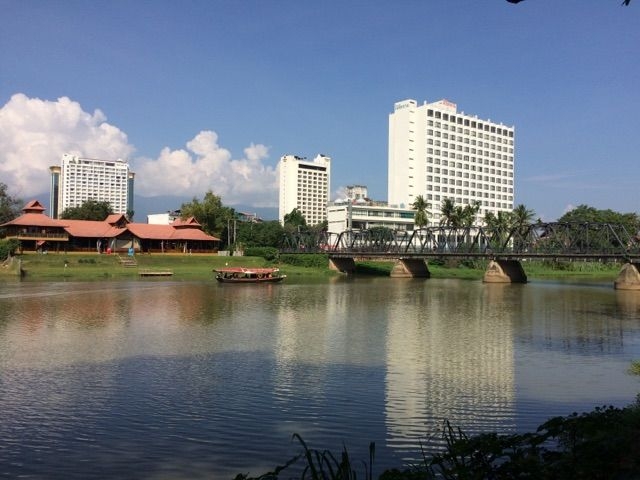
x=79 y=179
x=305 y=185
x=437 y=152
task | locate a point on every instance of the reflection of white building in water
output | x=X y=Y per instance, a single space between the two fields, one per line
x=438 y=363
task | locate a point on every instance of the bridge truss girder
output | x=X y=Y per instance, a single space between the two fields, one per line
x=545 y=240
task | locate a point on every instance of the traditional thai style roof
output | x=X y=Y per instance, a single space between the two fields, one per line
x=33 y=216
x=91 y=229
x=186 y=223
x=117 y=219
x=113 y=226
x=34 y=206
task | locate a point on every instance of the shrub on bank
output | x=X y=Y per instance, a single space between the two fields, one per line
x=268 y=253
x=311 y=260
x=601 y=444
x=8 y=247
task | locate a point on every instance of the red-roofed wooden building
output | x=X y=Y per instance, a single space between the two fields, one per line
x=36 y=231
x=33 y=229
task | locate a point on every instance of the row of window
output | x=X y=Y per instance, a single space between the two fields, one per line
x=467 y=166
x=459 y=200
x=459 y=173
x=460 y=183
x=459 y=147
x=470 y=193
x=469 y=123
x=473 y=151
x=467 y=132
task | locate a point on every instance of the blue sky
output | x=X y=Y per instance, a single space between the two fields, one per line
x=204 y=95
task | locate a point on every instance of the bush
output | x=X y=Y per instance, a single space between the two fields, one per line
x=268 y=253
x=8 y=247
x=316 y=260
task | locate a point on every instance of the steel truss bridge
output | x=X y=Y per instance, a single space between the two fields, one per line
x=588 y=241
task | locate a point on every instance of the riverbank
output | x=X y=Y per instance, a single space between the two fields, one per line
x=93 y=266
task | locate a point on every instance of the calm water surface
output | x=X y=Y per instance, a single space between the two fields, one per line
x=164 y=379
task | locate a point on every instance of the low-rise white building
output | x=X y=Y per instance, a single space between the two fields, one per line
x=166 y=218
x=363 y=214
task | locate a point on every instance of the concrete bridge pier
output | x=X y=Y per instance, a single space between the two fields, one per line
x=628 y=278
x=344 y=265
x=505 y=271
x=410 y=268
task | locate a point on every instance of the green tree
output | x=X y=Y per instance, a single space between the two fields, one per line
x=294 y=221
x=89 y=210
x=498 y=227
x=9 y=206
x=587 y=214
x=522 y=217
x=262 y=234
x=468 y=213
x=421 y=207
x=214 y=217
x=448 y=212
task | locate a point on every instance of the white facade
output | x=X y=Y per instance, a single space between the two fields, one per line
x=82 y=179
x=438 y=153
x=162 y=218
x=305 y=185
x=363 y=215
x=357 y=192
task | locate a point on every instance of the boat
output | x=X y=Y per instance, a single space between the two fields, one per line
x=248 y=275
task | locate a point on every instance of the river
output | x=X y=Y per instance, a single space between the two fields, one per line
x=156 y=379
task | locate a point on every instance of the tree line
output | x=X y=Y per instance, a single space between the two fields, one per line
x=225 y=222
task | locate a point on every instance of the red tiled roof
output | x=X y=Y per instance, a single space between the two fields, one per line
x=192 y=234
x=187 y=222
x=116 y=218
x=33 y=206
x=151 y=231
x=91 y=229
x=188 y=229
x=33 y=220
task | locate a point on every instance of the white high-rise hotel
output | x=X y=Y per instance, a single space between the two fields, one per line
x=80 y=179
x=438 y=153
x=305 y=185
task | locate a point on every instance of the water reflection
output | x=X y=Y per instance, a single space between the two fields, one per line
x=449 y=357
x=189 y=379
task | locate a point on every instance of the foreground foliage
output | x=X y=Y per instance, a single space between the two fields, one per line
x=602 y=444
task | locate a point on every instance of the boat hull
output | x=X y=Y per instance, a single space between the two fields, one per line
x=250 y=280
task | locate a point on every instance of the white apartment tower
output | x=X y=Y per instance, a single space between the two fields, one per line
x=80 y=179
x=437 y=152
x=305 y=185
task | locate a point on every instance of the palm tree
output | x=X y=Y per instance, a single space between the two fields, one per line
x=522 y=217
x=448 y=212
x=498 y=227
x=421 y=207
x=469 y=212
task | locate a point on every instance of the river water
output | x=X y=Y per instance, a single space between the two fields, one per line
x=166 y=379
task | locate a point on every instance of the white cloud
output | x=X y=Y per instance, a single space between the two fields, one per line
x=204 y=165
x=34 y=134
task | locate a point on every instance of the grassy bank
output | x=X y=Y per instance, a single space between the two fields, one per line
x=92 y=266
x=534 y=270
